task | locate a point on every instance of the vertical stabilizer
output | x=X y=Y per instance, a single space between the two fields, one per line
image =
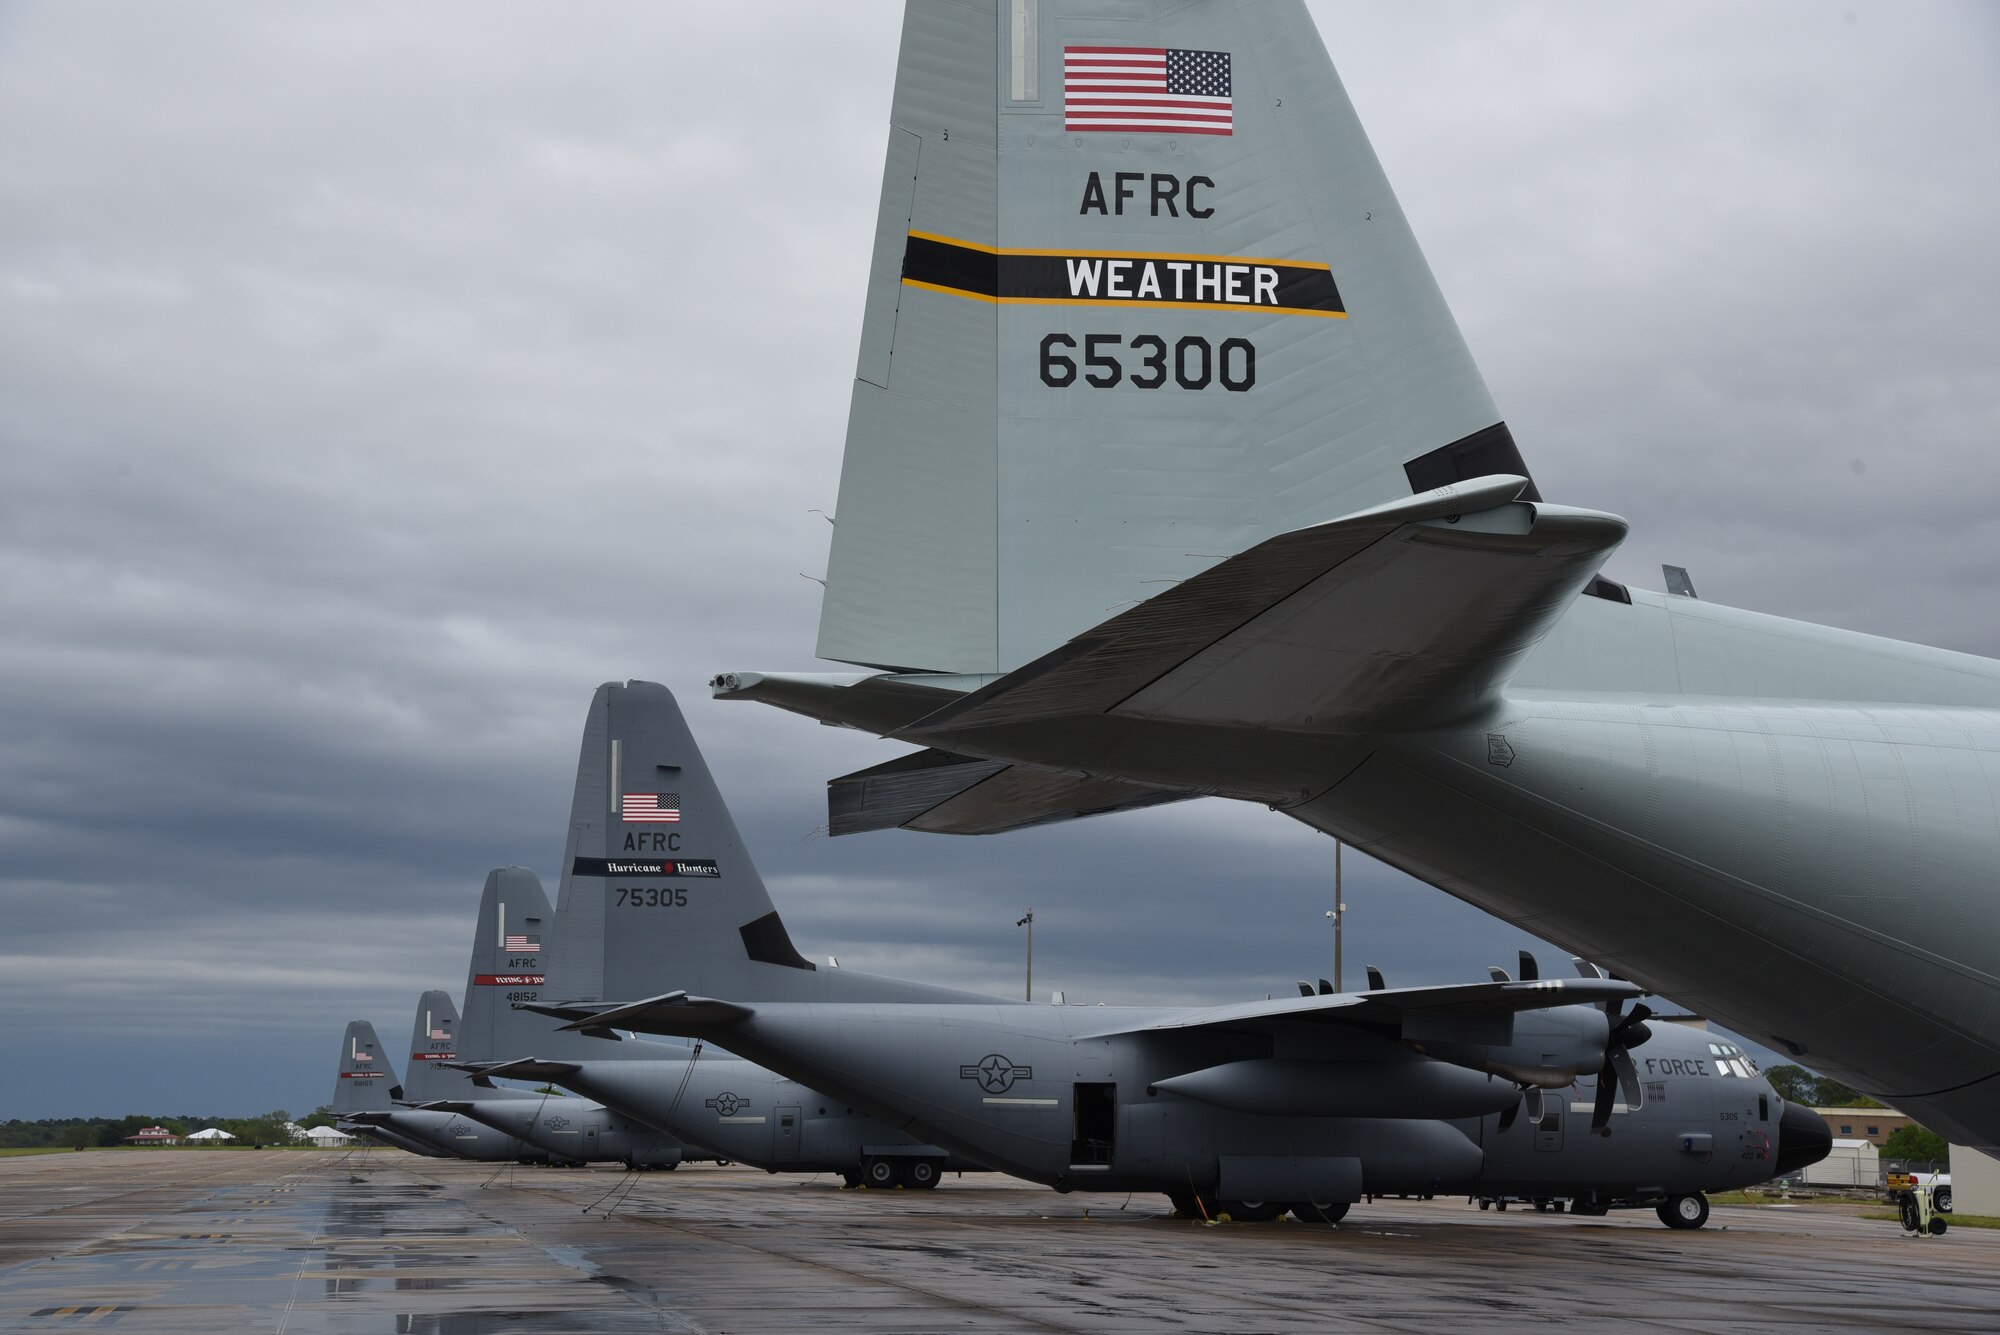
x=511 y=944
x=366 y=1081
x=659 y=892
x=1141 y=297
x=433 y=1047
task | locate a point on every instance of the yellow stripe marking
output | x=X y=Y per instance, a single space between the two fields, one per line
x=1127 y=305
x=1118 y=254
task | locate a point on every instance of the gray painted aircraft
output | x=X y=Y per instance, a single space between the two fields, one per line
x=1307 y=1102
x=509 y=941
x=367 y=1099
x=1147 y=332
x=365 y=1082
x=732 y=1108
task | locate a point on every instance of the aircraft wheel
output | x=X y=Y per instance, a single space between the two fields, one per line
x=1688 y=1211
x=923 y=1174
x=1307 y=1213
x=1485 y=1205
x=1192 y=1206
x=879 y=1173
x=1941 y=1199
x=1253 y=1212
x=849 y=1178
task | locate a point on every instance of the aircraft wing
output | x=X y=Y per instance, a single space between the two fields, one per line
x=1409 y=614
x=941 y=793
x=1396 y=1007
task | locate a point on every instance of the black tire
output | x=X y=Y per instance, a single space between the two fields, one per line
x=1253 y=1212
x=1686 y=1211
x=849 y=1178
x=1938 y=1226
x=1941 y=1199
x=1307 y=1213
x=1906 y=1210
x=880 y=1173
x=922 y=1174
x=1189 y=1205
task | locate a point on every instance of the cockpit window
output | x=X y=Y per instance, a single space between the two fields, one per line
x=1732 y=1060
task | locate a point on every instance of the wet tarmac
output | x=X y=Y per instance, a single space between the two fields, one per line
x=299 y=1242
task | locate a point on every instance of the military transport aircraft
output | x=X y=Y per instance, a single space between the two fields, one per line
x=509 y=942
x=1305 y=1102
x=1148 y=334
x=367 y=1098
x=365 y=1082
x=729 y=1108
x=567 y=1130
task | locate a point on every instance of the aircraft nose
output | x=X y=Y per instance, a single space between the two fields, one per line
x=1803 y=1138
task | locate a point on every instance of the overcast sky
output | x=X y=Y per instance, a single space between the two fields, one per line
x=377 y=379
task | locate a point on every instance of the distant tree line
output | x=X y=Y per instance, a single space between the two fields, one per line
x=263 y=1129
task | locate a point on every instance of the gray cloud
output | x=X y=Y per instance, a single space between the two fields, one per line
x=374 y=382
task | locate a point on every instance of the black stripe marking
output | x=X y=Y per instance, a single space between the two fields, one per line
x=1138 y=280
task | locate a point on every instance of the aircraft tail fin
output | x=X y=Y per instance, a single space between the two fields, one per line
x=1110 y=340
x=659 y=891
x=434 y=1039
x=512 y=942
x=366 y=1081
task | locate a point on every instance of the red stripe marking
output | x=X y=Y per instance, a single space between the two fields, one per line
x=1154 y=129
x=1191 y=104
x=1126 y=115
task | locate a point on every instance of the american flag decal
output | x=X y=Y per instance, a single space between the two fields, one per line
x=521 y=941
x=1147 y=90
x=653 y=808
x=355 y=1051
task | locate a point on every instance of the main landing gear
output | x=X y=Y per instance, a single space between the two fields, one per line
x=916 y=1174
x=1198 y=1205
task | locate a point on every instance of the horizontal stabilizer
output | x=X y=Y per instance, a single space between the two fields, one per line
x=524 y=1068
x=671 y=1013
x=1410 y=614
x=941 y=793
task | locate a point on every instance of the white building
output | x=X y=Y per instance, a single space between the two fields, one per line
x=326 y=1137
x=1852 y=1163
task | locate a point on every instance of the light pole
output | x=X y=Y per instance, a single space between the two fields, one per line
x=1029 y=923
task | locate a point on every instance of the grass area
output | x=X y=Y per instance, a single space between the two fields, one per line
x=1955 y=1220
x=39 y=1149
